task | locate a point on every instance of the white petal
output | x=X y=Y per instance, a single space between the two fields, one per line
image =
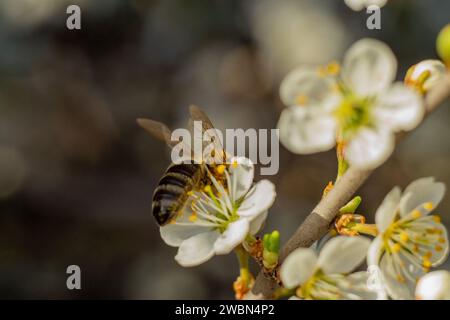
x=298 y=267
x=399 y=108
x=356 y=287
x=387 y=210
x=304 y=83
x=369 y=67
x=197 y=249
x=399 y=290
x=294 y=298
x=420 y=192
x=369 y=148
x=343 y=254
x=257 y=223
x=355 y=5
x=375 y=251
x=173 y=234
x=242 y=173
x=358 y=5
x=434 y=286
x=233 y=235
x=304 y=132
x=259 y=199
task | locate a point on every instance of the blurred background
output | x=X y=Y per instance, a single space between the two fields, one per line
x=77 y=173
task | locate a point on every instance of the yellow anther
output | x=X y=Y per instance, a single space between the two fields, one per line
x=426 y=264
x=207 y=188
x=428 y=255
x=400 y=278
x=333 y=68
x=416 y=214
x=220 y=169
x=321 y=70
x=428 y=206
x=438 y=248
x=234 y=164
x=404 y=237
x=172 y=221
x=441 y=240
x=396 y=247
x=190 y=193
x=301 y=100
x=193 y=217
x=436 y=219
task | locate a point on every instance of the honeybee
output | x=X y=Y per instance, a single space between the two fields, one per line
x=180 y=180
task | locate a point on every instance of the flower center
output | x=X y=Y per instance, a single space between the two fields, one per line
x=352 y=114
x=321 y=287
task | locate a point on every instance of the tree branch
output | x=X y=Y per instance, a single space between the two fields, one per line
x=318 y=221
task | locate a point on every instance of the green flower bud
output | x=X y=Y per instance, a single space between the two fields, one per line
x=351 y=206
x=443 y=44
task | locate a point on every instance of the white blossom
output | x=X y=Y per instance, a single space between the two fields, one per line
x=358 y=5
x=216 y=222
x=360 y=107
x=434 y=286
x=326 y=276
x=425 y=75
x=410 y=241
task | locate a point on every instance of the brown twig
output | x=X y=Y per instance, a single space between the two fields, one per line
x=318 y=221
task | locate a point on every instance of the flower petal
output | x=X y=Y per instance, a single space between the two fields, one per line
x=399 y=108
x=343 y=254
x=241 y=173
x=304 y=132
x=369 y=67
x=233 y=235
x=173 y=234
x=197 y=249
x=259 y=199
x=358 y=5
x=369 y=148
x=355 y=287
x=304 y=87
x=298 y=267
x=423 y=194
x=257 y=223
x=434 y=286
x=398 y=286
x=375 y=251
x=387 y=210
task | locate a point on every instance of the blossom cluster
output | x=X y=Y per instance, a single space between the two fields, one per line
x=357 y=107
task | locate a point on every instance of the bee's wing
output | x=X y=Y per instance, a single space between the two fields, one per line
x=198 y=115
x=158 y=130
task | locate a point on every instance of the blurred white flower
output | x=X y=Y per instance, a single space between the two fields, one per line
x=325 y=276
x=410 y=241
x=358 y=5
x=217 y=221
x=361 y=108
x=425 y=75
x=295 y=32
x=434 y=286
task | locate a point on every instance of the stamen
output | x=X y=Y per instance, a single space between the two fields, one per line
x=404 y=237
x=428 y=206
x=193 y=217
x=301 y=100
x=436 y=219
x=416 y=214
x=220 y=169
x=396 y=247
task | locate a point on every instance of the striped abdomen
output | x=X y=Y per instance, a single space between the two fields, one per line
x=171 y=193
